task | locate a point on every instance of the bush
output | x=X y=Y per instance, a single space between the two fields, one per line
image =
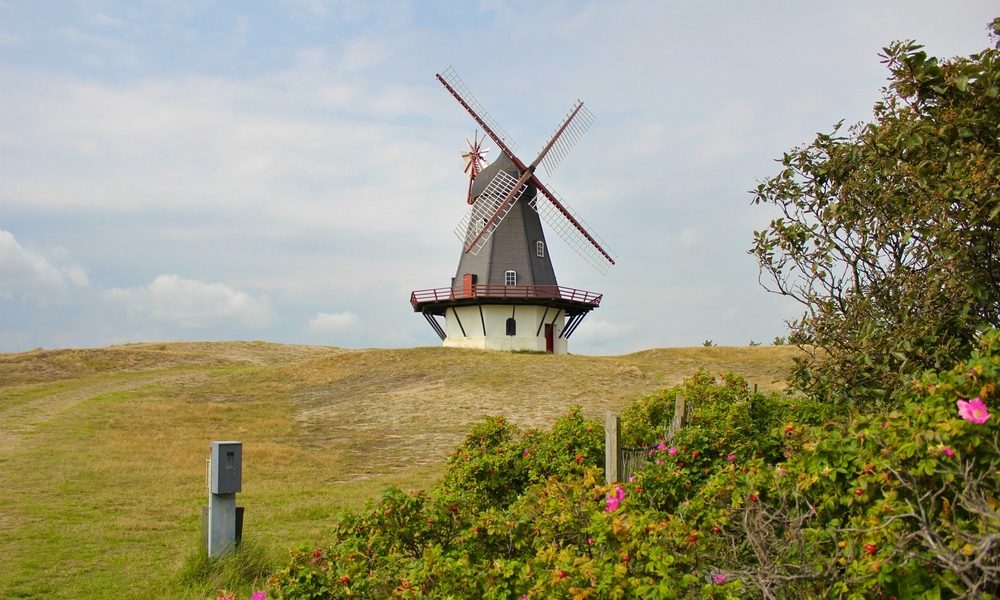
x=759 y=496
x=887 y=233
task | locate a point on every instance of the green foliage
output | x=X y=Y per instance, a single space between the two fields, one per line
x=757 y=496
x=495 y=464
x=889 y=232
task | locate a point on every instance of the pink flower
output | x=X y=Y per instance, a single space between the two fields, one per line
x=782 y=472
x=615 y=500
x=590 y=541
x=258 y=596
x=973 y=411
x=672 y=451
x=947 y=451
x=659 y=462
x=731 y=457
x=631 y=479
x=661 y=447
x=718 y=579
x=885 y=424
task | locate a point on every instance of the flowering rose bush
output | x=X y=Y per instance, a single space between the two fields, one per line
x=757 y=496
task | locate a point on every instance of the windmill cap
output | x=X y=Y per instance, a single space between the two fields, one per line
x=502 y=163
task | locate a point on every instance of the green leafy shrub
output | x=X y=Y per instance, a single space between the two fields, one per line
x=886 y=232
x=764 y=496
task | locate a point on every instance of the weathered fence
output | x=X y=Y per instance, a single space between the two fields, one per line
x=622 y=462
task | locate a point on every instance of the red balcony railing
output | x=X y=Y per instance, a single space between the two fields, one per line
x=506 y=292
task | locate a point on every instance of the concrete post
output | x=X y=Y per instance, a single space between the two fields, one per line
x=225 y=479
x=221 y=523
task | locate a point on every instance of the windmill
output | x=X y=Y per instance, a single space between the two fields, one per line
x=504 y=294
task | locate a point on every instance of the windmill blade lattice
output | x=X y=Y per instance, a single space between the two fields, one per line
x=565 y=221
x=465 y=95
x=571 y=234
x=470 y=229
x=576 y=122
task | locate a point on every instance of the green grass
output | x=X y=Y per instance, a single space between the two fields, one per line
x=102 y=452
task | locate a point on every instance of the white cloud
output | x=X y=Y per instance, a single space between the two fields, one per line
x=30 y=275
x=105 y=20
x=724 y=135
x=194 y=304
x=363 y=54
x=333 y=322
x=689 y=238
x=597 y=333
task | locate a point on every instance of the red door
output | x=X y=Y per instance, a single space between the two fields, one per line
x=549 y=335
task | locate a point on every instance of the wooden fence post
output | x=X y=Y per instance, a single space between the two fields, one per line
x=680 y=416
x=612 y=448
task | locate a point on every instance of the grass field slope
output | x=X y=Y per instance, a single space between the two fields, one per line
x=102 y=451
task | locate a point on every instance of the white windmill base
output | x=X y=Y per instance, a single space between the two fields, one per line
x=485 y=327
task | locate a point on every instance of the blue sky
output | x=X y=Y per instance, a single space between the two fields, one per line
x=290 y=171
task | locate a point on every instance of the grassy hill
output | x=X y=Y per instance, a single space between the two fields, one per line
x=102 y=451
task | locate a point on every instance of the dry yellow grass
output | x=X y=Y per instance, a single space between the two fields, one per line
x=102 y=451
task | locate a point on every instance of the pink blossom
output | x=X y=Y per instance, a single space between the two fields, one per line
x=590 y=541
x=659 y=462
x=973 y=411
x=947 y=451
x=615 y=500
x=782 y=472
x=731 y=457
x=672 y=451
x=885 y=424
x=661 y=447
x=258 y=596
x=631 y=479
x=718 y=579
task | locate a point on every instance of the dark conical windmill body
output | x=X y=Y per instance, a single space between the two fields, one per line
x=517 y=245
x=505 y=295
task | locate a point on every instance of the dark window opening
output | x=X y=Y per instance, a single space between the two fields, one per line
x=511 y=326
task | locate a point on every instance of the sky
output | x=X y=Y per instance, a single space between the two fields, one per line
x=291 y=171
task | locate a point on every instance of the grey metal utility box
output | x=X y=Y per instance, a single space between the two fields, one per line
x=227 y=467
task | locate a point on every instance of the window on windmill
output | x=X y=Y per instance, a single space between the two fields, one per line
x=540 y=249
x=511 y=326
x=510 y=278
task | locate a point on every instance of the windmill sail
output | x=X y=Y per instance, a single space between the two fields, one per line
x=577 y=121
x=594 y=251
x=464 y=95
x=574 y=125
x=487 y=212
